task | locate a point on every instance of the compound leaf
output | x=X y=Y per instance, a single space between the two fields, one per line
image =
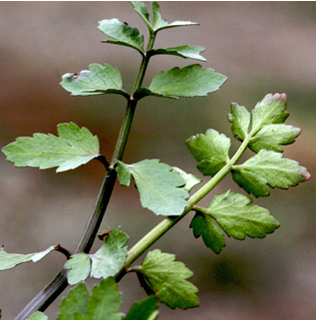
x=167 y=279
x=240 y=118
x=10 y=260
x=210 y=150
x=186 y=52
x=79 y=266
x=190 y=81
x=97 y=80
x=268 y=168
x=272 y=136
x=73 y=148
x=141 y=9
x=122 y=33
x=37 y=316
x=161 y=189
x=204 y=226
x=146 y=309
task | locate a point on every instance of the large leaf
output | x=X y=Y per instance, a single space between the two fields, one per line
x=204 y=226
x=240 y=119
x=190 y=81
x=273 y=136
x=167 y=279
x=10 y=260
x=73 y=148
x=97 y=80
x=161 y=189
x=186 y=52
x=268 y=168
x=210 y=150
x=122 y=33
x=106 y=262
x=146 y=309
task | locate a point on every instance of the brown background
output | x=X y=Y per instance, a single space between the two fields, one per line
x=262 y=47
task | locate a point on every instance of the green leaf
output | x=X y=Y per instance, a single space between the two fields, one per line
x=106 y=262
x=10 y=260
x=38 y=316
x=146 y=309
x=272 y=136
x=105 y=301
x=186 y=52
x=210 y=150
x=204 y=226
x=161 y=189
x=240 y=118
x=167 y=279
x=190 y=81
x=75 y=303
x=140 y=8
x=97 y=80
x=190 y=180
x=268 y=168
x=122 y=33
x=238 y=219
x=73 y=148
x=159 y=23
x=271 y=110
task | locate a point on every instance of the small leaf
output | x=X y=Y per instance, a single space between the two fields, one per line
x=240 y=118
x=37 y=316
x=146 y=309
x=97 y=80
x=268 y=168
x=160 y=24
x=10 y=260
x=210 y=150
x=272 y=136
x=271 y=110
x=204 y=226
x=190 y=81
x=105 y=301
x=238 y=219
x=123 y=33
x=73 y=148
x=167 y=279
x=190 y=180
x=186 y=52
x=140 y=8
x=75 y=303
x=79 y=266
x=161 y=189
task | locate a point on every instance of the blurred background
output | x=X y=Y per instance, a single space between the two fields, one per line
x=263 y=47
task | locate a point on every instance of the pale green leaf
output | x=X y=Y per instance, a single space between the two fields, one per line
x=271 y=110
x=122 y=33
x=146 y=309
x=75 y=303
x=71 y=149
x=268 y=168
x=167 y=279
x=79 y=266
x=105 y=301
x=204 y=226
x=210 y=150
x=190 y=81
x=140 y=8
x=190 y=180
x=161 y=189
x=273 y=136
x=240 y=118
x=238 y=218
x=10 y=260
x=97 y=80
x=186 y=52
x=37 y=316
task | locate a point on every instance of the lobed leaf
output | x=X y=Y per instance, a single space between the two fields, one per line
x=71 y=149
x=161 y=189
x=97 y=80
x=240 y=118
x=79 y=266
x=268 y=168
x=122 y=33
x=210 y=150
x=146 y=309
x=167 y=279
x=10 y=260
x=185 y=51
x=140 y=8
